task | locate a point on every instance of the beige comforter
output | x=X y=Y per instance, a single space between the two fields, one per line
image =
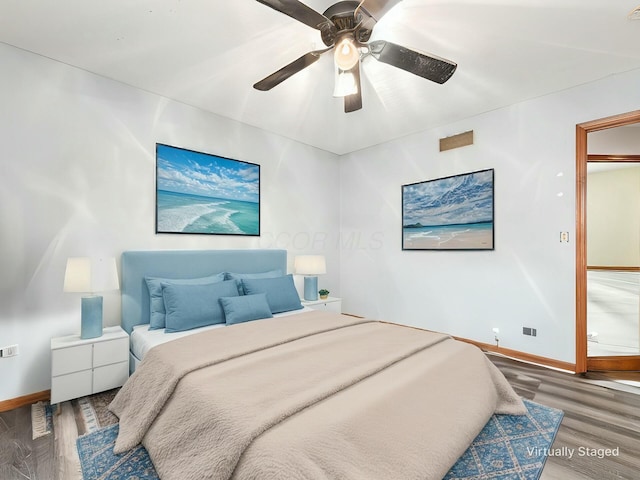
x=311 y=396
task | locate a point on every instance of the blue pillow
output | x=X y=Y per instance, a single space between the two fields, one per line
x=156 y=302
x=239 y=276
x=281 y=292
x=245 y=308
x=192 y=306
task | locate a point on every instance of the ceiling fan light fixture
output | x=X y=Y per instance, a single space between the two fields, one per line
x=346 y=54
x=345 y=83
x=346 y=28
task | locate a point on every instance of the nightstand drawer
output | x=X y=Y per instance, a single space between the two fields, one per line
x=329 y=306
x=73 y=385
x=71 y=359
x=111 y=351
x=110 y=376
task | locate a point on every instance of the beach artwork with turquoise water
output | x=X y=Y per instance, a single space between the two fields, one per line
x=202 y=193
x=452 y=213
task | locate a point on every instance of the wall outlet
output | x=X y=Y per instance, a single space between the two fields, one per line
x=564 y=237
x=529 y=331
x=9 y=351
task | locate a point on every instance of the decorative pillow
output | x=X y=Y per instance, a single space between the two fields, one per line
x=156 y=302
x=281 y=292
x=192 y=306
x=245 y=308
x=239 y=276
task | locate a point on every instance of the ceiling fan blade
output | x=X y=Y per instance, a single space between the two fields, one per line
x=353 y=102
x=287 y=71
x=377 y=8
x=432 y=68
x=299 y=11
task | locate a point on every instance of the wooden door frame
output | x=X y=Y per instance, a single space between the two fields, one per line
x=582 y=129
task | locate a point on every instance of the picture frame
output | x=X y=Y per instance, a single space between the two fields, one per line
x=449 y=213
x=202 y=193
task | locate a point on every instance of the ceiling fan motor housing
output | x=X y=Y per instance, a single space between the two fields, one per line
x=343 y=15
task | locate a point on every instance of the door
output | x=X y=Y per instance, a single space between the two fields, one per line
x=608 y=287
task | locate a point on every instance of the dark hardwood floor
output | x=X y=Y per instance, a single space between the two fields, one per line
x=22 y=458
x=601 y=428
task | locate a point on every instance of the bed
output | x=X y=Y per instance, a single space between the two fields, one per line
x=300 y=395
x=136 y=266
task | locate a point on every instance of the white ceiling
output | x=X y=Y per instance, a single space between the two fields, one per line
x=209 y=53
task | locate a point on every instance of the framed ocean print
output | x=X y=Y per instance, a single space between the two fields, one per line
x=451 y=213
x=200 y=193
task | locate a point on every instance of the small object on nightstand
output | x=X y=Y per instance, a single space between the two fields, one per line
x=330 y=304
x=82 y=367
x=324 y=293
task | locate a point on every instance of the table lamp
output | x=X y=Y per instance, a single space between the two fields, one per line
x=310 y=266
x=87 y=275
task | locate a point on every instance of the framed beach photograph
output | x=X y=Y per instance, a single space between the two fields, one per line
x=451 y=213
x=205 y=194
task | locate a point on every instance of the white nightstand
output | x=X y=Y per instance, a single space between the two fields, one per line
x=82 y=367
x=331 y=304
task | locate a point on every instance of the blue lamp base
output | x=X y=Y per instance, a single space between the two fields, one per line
x=310 y=288
x=91 y=320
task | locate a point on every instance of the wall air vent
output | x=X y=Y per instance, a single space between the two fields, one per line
x=456 y=141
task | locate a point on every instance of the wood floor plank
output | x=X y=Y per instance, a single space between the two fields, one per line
x=68 y=463
x=45 y=458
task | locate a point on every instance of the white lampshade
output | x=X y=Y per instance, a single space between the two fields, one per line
x=77 y=276
x=310 y=265
x=87 y=275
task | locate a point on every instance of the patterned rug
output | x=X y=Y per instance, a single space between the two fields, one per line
x=508 y=447
x=91 y=413
x=41 y=419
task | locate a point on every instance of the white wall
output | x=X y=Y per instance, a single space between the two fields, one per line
x=615 y=141
x=613 y=217
x=528 y=280
x=77 y=179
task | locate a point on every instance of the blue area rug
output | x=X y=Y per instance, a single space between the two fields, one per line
x=508 y=447
x=99 y=462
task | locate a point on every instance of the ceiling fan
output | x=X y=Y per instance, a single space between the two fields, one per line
x=346 y=28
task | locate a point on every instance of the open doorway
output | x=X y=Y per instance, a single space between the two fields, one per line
x=613 y=252
x=599 y=359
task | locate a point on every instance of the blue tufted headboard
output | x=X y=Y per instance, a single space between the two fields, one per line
x=184 y=264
